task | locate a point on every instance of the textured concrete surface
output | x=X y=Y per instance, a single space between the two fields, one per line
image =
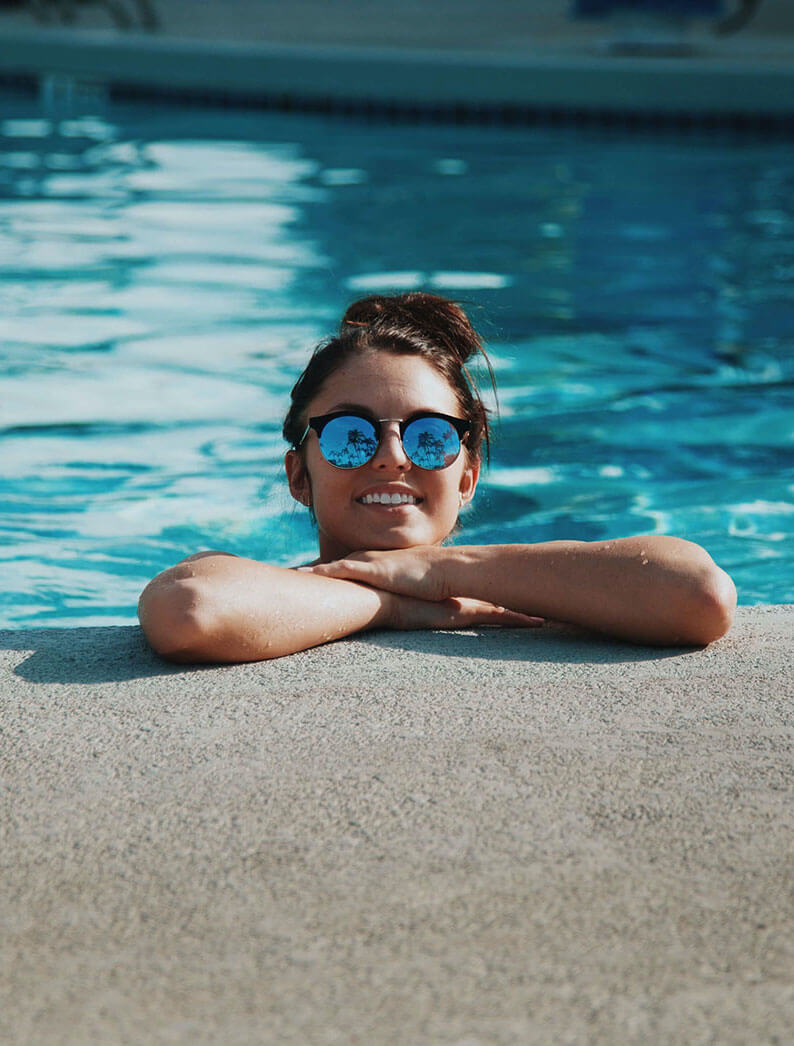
x=407 y=838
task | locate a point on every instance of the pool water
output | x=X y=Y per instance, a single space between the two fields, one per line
x=164 y=273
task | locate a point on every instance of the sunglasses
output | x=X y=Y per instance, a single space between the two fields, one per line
x=349 y=440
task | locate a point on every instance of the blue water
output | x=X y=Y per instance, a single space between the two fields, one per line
x=164 y=273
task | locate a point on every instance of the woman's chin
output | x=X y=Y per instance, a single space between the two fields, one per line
x=383 y=539
x=386 y=538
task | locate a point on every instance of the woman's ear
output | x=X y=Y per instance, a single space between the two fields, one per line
x=298 y=478
x=468 y=482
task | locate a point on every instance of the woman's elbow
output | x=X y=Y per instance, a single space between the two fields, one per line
x=173 y=618
x=713 y=605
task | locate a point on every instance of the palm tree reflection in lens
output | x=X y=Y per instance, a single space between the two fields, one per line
x=430 y=449
x=357 y=449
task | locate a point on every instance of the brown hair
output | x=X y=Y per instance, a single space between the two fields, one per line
x=416 y=323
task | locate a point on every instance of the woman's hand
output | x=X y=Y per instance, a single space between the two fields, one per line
x=404 y=613
x=414 y=578
x=417 y=572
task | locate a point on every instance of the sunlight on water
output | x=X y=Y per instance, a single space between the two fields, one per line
x=164 y=275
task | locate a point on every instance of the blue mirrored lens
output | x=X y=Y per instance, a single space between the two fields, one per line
x=431 y=443
x=348 y=442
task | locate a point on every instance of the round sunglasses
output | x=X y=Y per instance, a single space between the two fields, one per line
x=349 y=440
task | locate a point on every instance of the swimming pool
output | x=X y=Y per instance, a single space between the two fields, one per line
x=165 y=272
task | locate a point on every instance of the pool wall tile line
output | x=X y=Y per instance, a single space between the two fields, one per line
x=460 y=83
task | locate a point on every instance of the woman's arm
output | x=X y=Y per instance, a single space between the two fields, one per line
x=656 y=590
x=217 y=607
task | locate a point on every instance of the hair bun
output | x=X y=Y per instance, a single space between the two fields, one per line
x=416 y=315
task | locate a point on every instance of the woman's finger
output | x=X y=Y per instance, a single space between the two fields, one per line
x=474 y=612
x=456 y=612
x=343 y=568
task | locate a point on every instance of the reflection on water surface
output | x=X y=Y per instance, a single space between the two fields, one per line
x=164 y=274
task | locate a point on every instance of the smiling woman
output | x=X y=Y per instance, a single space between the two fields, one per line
x=388 y=501
x=386 y=430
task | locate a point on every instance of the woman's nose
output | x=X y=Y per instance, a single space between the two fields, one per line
x=390 y=453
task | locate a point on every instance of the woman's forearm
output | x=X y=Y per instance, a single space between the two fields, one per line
x=221 y=608
x=218 y=607
x=648 y=589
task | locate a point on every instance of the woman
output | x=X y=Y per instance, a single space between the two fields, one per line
x=386 y=433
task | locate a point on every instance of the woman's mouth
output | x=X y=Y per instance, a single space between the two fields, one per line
x=385 y=498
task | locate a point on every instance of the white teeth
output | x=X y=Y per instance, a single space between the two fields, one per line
x=388 y=499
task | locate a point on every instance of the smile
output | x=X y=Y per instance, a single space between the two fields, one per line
x=388 y=499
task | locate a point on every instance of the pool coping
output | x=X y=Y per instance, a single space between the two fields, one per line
x=711 y=85
x=512 y=836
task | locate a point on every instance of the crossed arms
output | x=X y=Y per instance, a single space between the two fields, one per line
x=215 y=607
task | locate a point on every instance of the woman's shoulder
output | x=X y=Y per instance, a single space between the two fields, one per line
x=233 y=555
x=208 y=552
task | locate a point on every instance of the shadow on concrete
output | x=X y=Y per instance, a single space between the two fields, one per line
x=554 y=643
x=116 y=653
x=86 y=655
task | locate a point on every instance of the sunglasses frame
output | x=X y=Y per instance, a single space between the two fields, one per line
x=318 y=423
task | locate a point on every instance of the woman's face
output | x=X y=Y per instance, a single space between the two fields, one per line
x=384 y=385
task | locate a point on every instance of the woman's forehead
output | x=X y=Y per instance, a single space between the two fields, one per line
x=386 y=381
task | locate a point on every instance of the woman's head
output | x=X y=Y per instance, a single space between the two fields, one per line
x=393 y=357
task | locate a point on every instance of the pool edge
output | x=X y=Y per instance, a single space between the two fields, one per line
x=707 y=86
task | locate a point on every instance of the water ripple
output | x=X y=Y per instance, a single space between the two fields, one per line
x=164 y=274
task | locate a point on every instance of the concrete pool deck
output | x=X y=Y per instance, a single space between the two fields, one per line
x=407 y=838
x=444 y=56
